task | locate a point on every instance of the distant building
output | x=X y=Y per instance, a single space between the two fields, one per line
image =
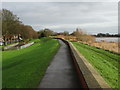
x=6 y=39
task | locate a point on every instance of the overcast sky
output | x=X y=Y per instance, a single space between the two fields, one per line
x=93 y=17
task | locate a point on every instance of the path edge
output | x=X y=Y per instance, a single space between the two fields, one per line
x=85 y=70
x=100 y=82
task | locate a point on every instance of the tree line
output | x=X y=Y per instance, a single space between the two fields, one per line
x=107 y=35
x=78 y=35
x=12 y=26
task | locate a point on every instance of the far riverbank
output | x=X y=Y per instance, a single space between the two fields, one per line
x=108 y=39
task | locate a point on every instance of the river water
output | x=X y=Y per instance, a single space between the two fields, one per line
x=108 y=39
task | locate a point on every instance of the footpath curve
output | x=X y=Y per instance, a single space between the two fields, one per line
x=69 y=69
x=61 y=72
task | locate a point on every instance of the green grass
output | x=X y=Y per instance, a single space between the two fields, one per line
x=104 y=62
x=25 y=68
x=1 y=46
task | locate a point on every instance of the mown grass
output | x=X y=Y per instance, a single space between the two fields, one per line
x=104 y=62
x=25 y=68
x=1 y=46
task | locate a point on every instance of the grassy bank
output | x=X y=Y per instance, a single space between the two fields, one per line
x=25 y=68
x=104 y=62
x=1 y=46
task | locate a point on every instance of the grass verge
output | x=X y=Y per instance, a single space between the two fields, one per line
x=104 y=62
x=25 y=68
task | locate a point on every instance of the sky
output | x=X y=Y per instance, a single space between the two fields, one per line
x=92 y=17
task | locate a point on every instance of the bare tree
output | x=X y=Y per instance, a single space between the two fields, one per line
x=83 y=36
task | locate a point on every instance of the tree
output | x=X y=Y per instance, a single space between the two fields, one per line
x=45 y=33
x=66 y=33
x=82 y=36
x=9 y=22
x=27 y=32
x=0 y=24
x=12 y=26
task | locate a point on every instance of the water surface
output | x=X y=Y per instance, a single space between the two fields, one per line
x=108 y=39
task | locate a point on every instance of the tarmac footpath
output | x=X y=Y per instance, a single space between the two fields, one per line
x=61 y=72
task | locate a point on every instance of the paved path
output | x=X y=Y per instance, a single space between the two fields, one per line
x=61 y=72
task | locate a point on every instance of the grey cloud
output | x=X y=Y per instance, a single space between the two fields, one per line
x=67 y=16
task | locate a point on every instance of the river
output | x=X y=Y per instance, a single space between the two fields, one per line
x=108 y=39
